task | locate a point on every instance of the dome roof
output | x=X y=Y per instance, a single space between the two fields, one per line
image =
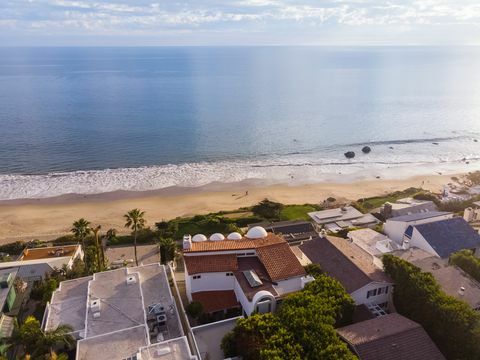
x=217 y=237
x=199 y=238
x=257 y=232
x=234 y=236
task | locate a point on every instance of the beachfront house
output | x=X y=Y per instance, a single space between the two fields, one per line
x=390 y=337
x=8 y=299
x=252 y=272
x=453 y=280
x=407 y=206
x=373 y=242
x=472 y=214
x=442 y=238
x=345 y=217
x=294 y=232
x=34 y=264
x=127 y=313
x=395 y=227
x=354 y=268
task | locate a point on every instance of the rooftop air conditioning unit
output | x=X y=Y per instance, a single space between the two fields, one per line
x=131 y=279
x=96 y=315
x=95 y=305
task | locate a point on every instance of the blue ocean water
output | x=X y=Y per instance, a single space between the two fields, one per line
x=103 y=119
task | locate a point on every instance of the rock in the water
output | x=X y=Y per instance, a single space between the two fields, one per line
x=366 y=149
x=475 y=140
x=349 y=154
x=435 y=143
x=390 y=147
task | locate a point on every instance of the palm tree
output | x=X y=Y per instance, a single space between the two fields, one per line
x=135 y=221
x=81 y=228
x=167 y=250
x=100 y=260
x=38 y=343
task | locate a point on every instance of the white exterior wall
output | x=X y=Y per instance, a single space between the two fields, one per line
x=360 y=295
x=288 y=286
x=396 y=229
x=246 y=305
x=212 y=282
x=188 y=284
x=419 y=241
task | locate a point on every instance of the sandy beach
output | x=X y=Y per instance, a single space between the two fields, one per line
x=48 y=218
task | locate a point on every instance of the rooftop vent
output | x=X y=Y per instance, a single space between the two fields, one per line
x=96 y=315
x=95 y=305
x=217 y=237
x=131 y=279
x=461 y=291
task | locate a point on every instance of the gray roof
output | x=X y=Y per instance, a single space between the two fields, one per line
x=449 y=236
x=346 y=262
x=391 y=337
x=451 y=279
x=419 y=216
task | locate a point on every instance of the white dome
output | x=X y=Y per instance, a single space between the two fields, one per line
x=217 y=237
x=234 y=236
x=257 y=232
x=199 y=238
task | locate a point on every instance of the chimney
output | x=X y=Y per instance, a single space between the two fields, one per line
x=187 y=242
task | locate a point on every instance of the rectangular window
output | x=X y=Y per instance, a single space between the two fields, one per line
x=380 y=291
x=386 y=289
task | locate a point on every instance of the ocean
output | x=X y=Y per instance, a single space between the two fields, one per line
x=92 y=120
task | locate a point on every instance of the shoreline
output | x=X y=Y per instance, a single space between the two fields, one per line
x=48 y=218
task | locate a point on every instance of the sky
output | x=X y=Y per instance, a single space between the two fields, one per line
x=239 y=22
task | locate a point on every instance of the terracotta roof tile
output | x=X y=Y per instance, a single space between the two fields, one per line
x=216 y=300
x=210 y=263
x=243 y=244
x=280 y=261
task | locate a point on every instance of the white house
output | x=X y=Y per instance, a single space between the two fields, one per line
x=353 y=268
x=443 y=238
x=374 y=243
x=395 y=227
x=342 y=218
x=407 y=206
x=253 y=272
x=35 y=263
x=472 y=214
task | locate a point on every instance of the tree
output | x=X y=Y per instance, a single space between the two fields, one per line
x=135 y=220
x=167 y=250
x=302 y=328
x=110 y=234
x=43 y=290
x=99 y=249
x=313 y=269
x=451 y=323
x=81 y=229
x=268 y=209
x=38 y=343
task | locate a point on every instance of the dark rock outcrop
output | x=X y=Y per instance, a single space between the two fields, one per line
x=349 y=154
x=366 y=149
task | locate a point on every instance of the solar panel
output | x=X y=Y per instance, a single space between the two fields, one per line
x=252 y=278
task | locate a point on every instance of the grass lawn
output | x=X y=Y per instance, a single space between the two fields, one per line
x=297 y=212
x=377 y=201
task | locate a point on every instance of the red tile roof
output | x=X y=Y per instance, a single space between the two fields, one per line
x=280 y=261
x=210 y=263
x=244 y=244
x=216 y=300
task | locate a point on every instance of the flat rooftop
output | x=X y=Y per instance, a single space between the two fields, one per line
x=176 y=349
x=419 y=216
x=48 y=252
x=124 y=296
x=120 y=255
x=333 y=215
x=209 y=337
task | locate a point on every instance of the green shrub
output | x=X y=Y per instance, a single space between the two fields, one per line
x=267 y=209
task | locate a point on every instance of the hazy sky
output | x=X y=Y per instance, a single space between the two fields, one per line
x=239 y=22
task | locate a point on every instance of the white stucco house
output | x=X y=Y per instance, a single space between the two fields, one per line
x=443 y=238
x=353 y=267
x=36 y=263
x=252 y=272
x=395 y=227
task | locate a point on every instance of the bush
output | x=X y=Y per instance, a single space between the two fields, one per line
x=466 y=261
x=194 y=309
x=267 y=209
x=313 y=269
x=14 y=248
